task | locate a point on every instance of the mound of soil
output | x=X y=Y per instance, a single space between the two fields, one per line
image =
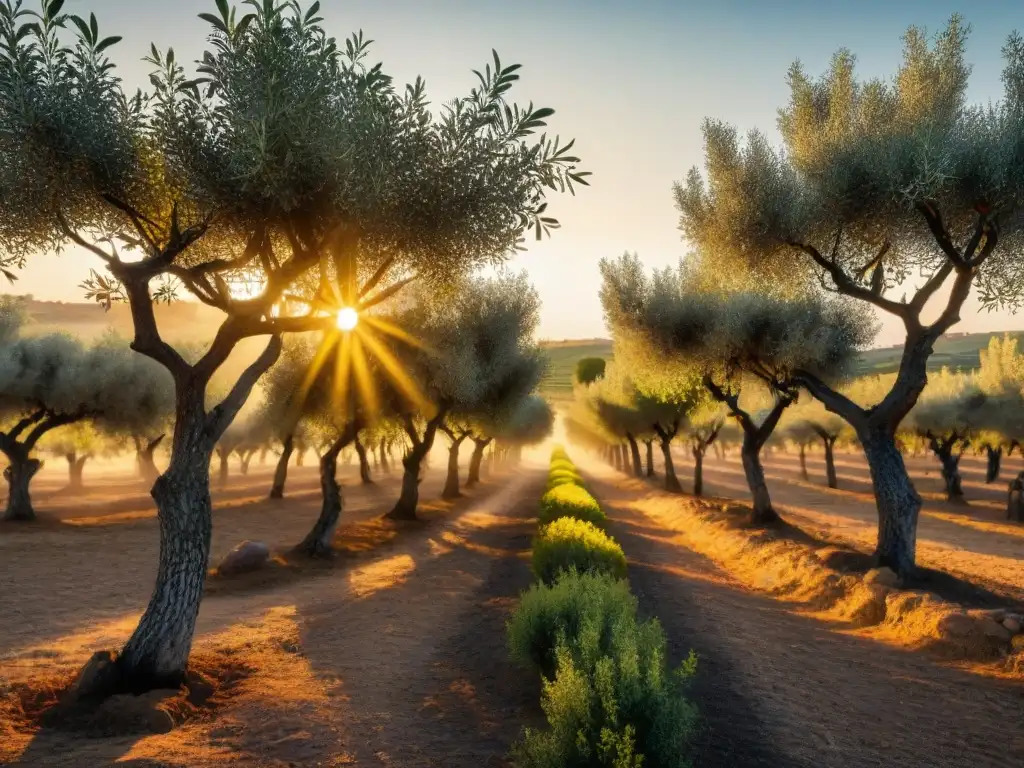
x=53 y=703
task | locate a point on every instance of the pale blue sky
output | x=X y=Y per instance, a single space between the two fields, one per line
x=630 y=80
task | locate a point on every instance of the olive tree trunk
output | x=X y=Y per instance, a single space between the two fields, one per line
x=145 y=462
x=364 y=464
x=76 y=469
x=408 y=500
x=451 y=483
x=803 y=462
x=318 y=541
x=281 y=471
x=995 y=460
x=18 y=474
x=222 y=476
x=943 y=448
x=672 y=484
x=650 y=457
x=830 y=461
x=1015 y=502
x=763 y=512
x=898 y=503
x=634 y=452
x=384 y=465
x=476 y=460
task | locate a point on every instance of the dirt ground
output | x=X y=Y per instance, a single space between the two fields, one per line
x=397 y=659
x=973 y=541
x=778 y=688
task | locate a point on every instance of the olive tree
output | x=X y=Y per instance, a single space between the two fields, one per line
x=589 y=369
x=283 y=155
x=703 y=430
x=810 y=422
x=951 y=407
x=52 y=381
x=470 y=347
x=735 y=337
x=1000 y=376
x=878 y=182
x=530 y=423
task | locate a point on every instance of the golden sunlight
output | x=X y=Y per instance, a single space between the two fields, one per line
x=347 y=319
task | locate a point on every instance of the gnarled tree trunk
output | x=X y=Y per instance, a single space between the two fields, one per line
x=672 y=484
x=803 y=462
x=650 y=457
x=76 y=468
x=408 y=500
x=246 y=457
x=18 y=474
x=144 y=459
x=698 y=468
x=898 y=502
x=318 y=541
x=476 y=460
x=750 y=454
x=634 y=452
x=364 y=464
x=451 y=483
x=943 y=448
x=995 y=460
x=830 y=461
x=382 y=449
x=281 y=471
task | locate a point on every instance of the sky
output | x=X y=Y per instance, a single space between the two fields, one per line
x=630 y=80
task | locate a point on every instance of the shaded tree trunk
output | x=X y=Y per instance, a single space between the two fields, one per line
x=281 y=471
x=318 y=541
x=750 y=454
x=650 y=457
x=830 y=461
x=672 y=484
x=222 y=475
x=408 y=500
x=246 y=458
x=76 y=468
x=264 y=450
x=898 y=502
x=995 y=460
x=943 y=448
x=700 y=439
x=144 y=458
x=451 y=483
x=364 y=464
x=634 y=451
x=300 y=454
x=1015 y=502
x=18 y=474
x=479 y=445
x=382 y=449
x=803 y=462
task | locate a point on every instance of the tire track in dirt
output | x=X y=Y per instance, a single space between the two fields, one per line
x=780 y=689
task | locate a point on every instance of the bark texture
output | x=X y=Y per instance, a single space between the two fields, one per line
x=898 y=503
x=408 y=500
x=281 y=471
x=476 y=460
x=318 y=541
x=18 y=474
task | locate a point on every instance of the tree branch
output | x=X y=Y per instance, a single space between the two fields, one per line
x=53 y=421
x=933 y=218
x=834 y=402
x=218 y=420
x=25 y=423
x=846 y=285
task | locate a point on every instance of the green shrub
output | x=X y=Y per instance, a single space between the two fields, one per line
x=570 y=500
x=570 y=544
x=613 y=702
x=574 y=601
x=563 y=477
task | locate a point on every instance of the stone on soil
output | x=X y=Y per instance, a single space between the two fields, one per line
x=247 y=556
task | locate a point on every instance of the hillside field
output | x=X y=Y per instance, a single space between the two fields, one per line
x=955 y=351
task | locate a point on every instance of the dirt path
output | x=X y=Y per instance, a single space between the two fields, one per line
x=398 y=662
x=972 y=541
x=780 y=689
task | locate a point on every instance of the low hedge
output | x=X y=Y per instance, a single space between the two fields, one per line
x=609 y=697
x=570 y=500
x=571 y=544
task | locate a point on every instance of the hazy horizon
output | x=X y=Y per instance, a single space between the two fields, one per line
x=630 y=81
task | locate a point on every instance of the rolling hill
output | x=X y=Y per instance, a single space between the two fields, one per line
x=955 y=351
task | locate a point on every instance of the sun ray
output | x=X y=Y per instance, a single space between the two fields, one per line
x=398 y=375
x=364 y=380
x=393 y=330
x=342 y=373
x=323 y=351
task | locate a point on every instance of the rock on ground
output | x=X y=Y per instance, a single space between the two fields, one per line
x=247 y=556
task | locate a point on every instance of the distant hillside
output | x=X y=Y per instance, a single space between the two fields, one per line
x=179 y=321
x=956 y=351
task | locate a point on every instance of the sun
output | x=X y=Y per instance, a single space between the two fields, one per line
x=347 y=319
